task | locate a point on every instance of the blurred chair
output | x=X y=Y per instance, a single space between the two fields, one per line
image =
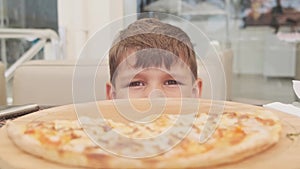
x=2 y=85
x=50 y=82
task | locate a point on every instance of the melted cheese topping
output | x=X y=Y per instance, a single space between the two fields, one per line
x=158 y=135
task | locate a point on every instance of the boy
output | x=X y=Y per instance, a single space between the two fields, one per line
x=152 y=59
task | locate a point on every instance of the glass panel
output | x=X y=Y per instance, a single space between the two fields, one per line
x=25 y=14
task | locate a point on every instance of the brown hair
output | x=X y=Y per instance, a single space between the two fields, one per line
x=151 y=33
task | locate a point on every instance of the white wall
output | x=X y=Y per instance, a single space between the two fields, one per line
x=257 y=50
x=249 y=49
x=80 y=19
x=248 y=44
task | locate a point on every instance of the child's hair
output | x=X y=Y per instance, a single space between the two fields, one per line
x=152 y=34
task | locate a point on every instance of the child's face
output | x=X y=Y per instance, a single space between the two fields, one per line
x=153 y=82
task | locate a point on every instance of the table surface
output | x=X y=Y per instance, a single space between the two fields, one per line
x=285 y=154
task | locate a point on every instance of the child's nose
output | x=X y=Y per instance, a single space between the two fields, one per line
x=156 y=90
x=156 y=93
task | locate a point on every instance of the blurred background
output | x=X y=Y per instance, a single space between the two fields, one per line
x=263 y=36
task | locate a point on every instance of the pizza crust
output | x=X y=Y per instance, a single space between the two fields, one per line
x=227 y=155
x=28 y=144
x=31 y=146
x=99 y=159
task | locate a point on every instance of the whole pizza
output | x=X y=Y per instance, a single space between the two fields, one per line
x=238 y=135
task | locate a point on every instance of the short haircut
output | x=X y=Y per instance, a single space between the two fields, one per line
x=151 y=33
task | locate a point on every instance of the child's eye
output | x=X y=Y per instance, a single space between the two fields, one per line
x=136 y=84
x=171 y=82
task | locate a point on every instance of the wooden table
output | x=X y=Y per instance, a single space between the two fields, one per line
x=285 y=154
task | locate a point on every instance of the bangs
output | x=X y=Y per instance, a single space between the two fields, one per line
x=154 y=58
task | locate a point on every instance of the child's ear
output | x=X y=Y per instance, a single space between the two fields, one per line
x=110 y=94
x=197 y=88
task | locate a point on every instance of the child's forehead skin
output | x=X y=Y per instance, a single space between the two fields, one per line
x=176 y=71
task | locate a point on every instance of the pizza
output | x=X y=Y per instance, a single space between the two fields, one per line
x=238 y=135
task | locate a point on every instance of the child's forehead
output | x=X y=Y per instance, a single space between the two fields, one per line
x=176 y=71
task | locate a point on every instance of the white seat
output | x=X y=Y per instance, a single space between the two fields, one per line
x=50 y=82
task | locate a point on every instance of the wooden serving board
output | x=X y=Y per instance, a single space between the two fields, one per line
x=285 y=154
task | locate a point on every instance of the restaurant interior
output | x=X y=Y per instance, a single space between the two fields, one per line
x=56 y=58
x=260 y=56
